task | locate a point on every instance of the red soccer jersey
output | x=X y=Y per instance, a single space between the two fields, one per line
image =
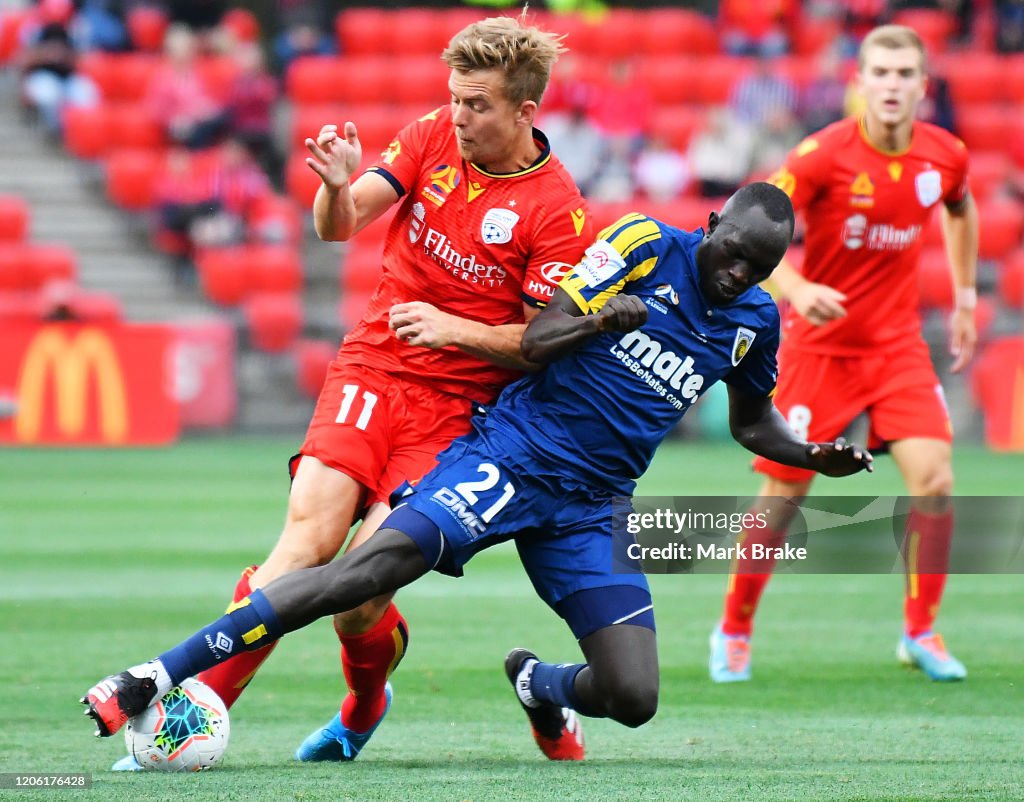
x=472 y=243
x=865 y=212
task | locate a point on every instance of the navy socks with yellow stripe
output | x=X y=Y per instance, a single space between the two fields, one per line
x=249 y=624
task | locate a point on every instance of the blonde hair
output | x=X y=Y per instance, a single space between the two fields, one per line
x=525 y=54
x=892 y=37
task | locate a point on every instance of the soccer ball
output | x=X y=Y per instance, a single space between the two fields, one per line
x=187 y=730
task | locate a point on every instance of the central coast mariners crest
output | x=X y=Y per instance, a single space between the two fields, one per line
x=497 y=226
x=744 y=339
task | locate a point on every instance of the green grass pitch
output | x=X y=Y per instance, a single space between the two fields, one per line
x=107 y=558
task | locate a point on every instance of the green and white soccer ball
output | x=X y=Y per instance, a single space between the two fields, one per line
x=187 y=730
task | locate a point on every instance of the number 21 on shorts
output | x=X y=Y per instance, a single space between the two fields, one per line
x=471 y=491
x=363 y=403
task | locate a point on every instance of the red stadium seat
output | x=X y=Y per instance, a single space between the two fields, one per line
x=676 y=31
x=726 y=71
x=423 y=32
x=974 y=78
x=51 y=263
x=613 y=35
x=988 y=127
x=300 y=181
x=314 y=79
x=146 y=27
x=811 y=37
x=1011 y=280
x=273 y=268
x=129 y=125
x=242 y=24
x=677 y=124
x=933 y=26
x=119 y=76
x=1000 y=229
x=15 y=261
x=366 y=31
x=934 y=280
x=419 y=80
x=988 y=173
x=671 y=80
x=361 y=267
x=131 y=177
x=997 y=382
x=223 y=274
x=1012 y=79
x=274 y=320
x=366 y=79
x=378 y=125
x=312 y=358
x=14 y=218
x=12 y=20
x=86 y=130
x=307 y=120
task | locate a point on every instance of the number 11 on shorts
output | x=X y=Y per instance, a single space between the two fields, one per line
x=348 y=396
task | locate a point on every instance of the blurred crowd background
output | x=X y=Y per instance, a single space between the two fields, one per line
x=153 y=169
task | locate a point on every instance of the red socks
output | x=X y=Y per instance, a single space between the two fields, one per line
x=230 y=677
x=747 y=581
x=926 y=559
x=368 y=659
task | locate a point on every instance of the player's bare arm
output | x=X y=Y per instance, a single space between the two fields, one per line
x=341 y=209
x=563 y=326
x=818 y=303
x=960 y=232
x=758 y=426
x=423 y=324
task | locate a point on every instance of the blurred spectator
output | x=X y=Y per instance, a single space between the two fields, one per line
x=304 y=30
x=568 y=90
x=180 y=100
x=623 y=107
x=756 y=27
x=660 y=172
x=47 y=62
x=859 y=17
x=579 y=145
x=614 y=182
x=183 y=196
x=720 y=154
x=100 y=25
x=823 y=99
x=779 y=134
x=762 y=94
x=1010 y=26
x=251 y=107
x=937 y=106
x=201 y=16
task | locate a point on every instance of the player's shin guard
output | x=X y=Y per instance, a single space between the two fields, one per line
x=368 y=658
x=231 y=677
x=926 y=559
x=248 y=625
x=747 y=581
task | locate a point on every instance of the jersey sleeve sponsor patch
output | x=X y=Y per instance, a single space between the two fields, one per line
x=600 y=262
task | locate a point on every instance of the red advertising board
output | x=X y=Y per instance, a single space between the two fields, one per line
x=86 y=384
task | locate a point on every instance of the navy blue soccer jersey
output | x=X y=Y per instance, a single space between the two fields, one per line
x=599 y=414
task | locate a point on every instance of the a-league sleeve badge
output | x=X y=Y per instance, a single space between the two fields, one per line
x=744 y=339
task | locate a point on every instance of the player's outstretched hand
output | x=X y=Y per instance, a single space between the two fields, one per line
x=839 y=458
x=622 y=313
x=335 y=158
x=818 y=303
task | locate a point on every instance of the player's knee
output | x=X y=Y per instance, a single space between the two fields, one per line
x=363 y=617
x=632 y=701
x=938 y=482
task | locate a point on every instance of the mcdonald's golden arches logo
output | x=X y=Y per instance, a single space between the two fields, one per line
x=70 y=358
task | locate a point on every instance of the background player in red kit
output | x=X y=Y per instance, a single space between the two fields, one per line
x=488 y=222
x=851 y=340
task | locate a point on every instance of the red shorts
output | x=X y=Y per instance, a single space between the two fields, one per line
x=821 y=395
x=380 y=430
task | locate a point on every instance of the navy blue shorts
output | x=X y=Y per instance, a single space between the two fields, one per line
x=563 y=532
